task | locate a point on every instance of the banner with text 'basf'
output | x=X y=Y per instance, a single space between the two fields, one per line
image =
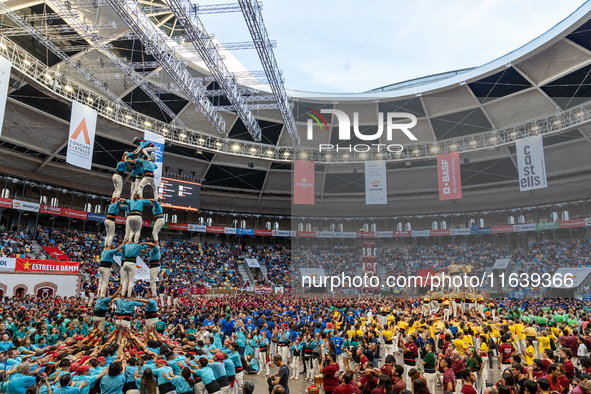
x=5 y=67
x=81 y=136
x=303 y=182
x=376 y=190
x=448 y=176
x=531 y=163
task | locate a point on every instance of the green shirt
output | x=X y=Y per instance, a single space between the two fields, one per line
x=429 y=360
x=474 y=364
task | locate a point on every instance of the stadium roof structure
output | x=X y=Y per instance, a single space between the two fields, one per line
x=152 y=65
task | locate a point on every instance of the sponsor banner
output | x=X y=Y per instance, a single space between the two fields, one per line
x=81 y=136
x=142 y=272
x=278 y=289
x=459 y=231
x=439 y=233
x=72 y=213
x=263 y=290
x=264 y=232
x=384 y=234
x=5 y=203
x=245 y=231
x=5 y=66
x=422 y=233
x=120 y=219
x=178 y=226
x=547 y=226
x=587 y=221
x=324 y=234
x=7 y=263
x=281 y=233
x=197 y=227
x=366 y=234
x=252 y=263
x=214 y=229
x=348 y=234
x=230 y=230
x=50 y=210
x=376 y=190
x=26 y=206
x=501 y=264
x=97 y=217
x=158 y=142
x=402 y=233
x=146 y=223
x=56 y=253
x=449 y=176
x=572 y=223
x=502 y=229
x=303 y=182
x=524 y=227
x=49 y=266
x=531 y=163
x=293 y=233
x=198 y=290
x=475 y=230
x=307 y=234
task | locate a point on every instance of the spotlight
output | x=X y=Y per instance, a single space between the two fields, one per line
x=466 y=160
x=251 y=165
x=408 y=164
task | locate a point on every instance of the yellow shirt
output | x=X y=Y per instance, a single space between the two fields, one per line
x=529 y=332
x=529 y=360
x=495 y=332
x=460 y=346
x=388 y=335
x=519 y=331
x=403 y=325
x=484 y=343
x=468 y=340
x=544 y=343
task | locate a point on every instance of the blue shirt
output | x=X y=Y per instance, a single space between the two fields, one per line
x=338 y=344
x=112 y=384
x=181 y=385
x=4 y=346
x=107 y=255
x=206 y=375
x=157 y=208
x=152 y=307
x=91 y=381
x=229 y=365
x=155 y=254
x=127 y=306
x=66 y=390
x=18 y=383
x=132 y=250
x=148 y=165
x=102 y=304
x=114 y=208
x=159 y=374
x=121 y=166
x=137 y=205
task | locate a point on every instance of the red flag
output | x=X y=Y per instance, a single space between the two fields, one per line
x=448 y=176
x=56 y=253
x=303 y=182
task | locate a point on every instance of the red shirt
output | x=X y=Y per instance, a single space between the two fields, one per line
x=546 y=365
x=331 y=377
x=398 y=385
x=449 y=376
x=569 y=369
x=344 y=389
x=467 y=389
x=564 y=382
x=506 y=350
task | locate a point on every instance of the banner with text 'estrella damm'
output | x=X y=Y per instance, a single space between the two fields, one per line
x=303 y=182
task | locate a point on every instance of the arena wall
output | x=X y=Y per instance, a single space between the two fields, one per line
x=63 y=285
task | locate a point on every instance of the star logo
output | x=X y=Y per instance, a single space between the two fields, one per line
x=304 y=180
x=27 y=265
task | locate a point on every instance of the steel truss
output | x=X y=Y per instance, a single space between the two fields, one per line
x=96 y=40
x=254 y=19
x=49 y=16
x=207 y=50
x=158 y=43
x=49 y=29
x=119 y=113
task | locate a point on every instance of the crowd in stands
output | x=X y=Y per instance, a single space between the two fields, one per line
x=15 y=243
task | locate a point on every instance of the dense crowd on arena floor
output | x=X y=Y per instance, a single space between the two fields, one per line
x=357 y=345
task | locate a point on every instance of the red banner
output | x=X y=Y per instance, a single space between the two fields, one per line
x=303 y=182
x=50 y=210
x=307 y=234
x=198 y=290
x=439 y=233
x=369 y=234
x=178 y=226
x=120 y=220
x=146 y=223
x=572 y=223
x=448 y=176
x=266 y=233
x=56 y=253
x=48 y=266
x=402 y=233
x=5 y=203
x=217 y=230
x=72 y=213
x=502 y=229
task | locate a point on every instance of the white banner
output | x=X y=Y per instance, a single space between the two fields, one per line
x=81 y=136
x=587 y=222
x=348 y=234
x=229 y=230
x=197 y=227
x=158 y=142
x=25 y=206
x=424 y=233
x=576 y=274
x=281 y=233
x=384 y=234
x=376 y=191
x=7 y=263
x=531 y=164
x=5 y=66
x=142 y=272
x=459 y=231
x=524 y=227
x=324 y=234
x=253 y=263
x=501 y=264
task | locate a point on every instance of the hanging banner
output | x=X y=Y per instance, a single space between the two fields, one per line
x=376 y=191
x=7 y=263
x=142 y=272
x=25 y=206
x=245 y=231
x=402 y=233
x=383 y=234
x=252 y=263
x=5 y=66
x=422 y=233
x=96 y=217
x=531 y=164
x=324 y=234
x=197 y=227
x=548 y=226
x=572 y=223
x=303 y=182
x=215 y=229
x=5 y=203
x=448 y=176
x=81 y=136
x=347 y=234
x=524 y=227
x=34 y=265
x=178 y=226
x=264 y=232
x=502 y=229
x=72 y=213
x=439 y=233
x=281 y=233
x=56 y=253
x=158 y=142
x=230 y=230
x=50 y=210
x=459 y=231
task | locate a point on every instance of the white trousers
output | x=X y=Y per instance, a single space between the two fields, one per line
x=263 y=361
x=156 y=229
x=110 y=228
x=134 y=184
x=147 y=180
x=446 y=313
x=134 y=224
x=104 y=275
x=389 y=349
x=283 y=351
x=99 y=322
x=118 y=185
x=199 y=388
x=154 y=271
x=431 y=379
x=127 y=278
x=484 y=375
x=239 y=382
x=295 y=367
x=309 y=369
